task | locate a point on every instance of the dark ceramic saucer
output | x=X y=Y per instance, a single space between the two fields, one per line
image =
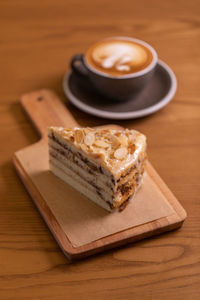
x=153 y=97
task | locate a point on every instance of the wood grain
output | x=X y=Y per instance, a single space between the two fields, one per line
x=45 y=109
x=37 y=41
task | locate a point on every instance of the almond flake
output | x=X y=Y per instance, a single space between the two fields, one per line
x=71 y=138
x=89 y=139
x=131 y=148
x=117 y=133
x=79 y=135
x=98 y=155
x=115 y=141
x=120 y=153
x=123 y=140
x=84 y=147
x=87 y=130
x=101 y=144
x=105 y=131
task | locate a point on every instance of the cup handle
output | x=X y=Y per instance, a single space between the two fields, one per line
x=77 y=65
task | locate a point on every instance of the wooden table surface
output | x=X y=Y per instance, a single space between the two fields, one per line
x=37 y=40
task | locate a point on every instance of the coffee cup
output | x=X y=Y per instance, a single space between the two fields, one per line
x=117 y=67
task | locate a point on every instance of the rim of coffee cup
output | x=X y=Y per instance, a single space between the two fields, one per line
x=132 y=75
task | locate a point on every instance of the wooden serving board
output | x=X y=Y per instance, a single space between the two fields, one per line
x=81 y=227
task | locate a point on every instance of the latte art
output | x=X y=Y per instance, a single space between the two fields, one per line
x=118 y=57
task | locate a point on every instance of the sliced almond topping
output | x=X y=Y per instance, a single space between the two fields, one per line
x=131 y=148
x=84 y=147
x=87 y=130
x=115 y=141
x=101 y=144
x=117 y=133
x=120 y=153
x=105 y=131
x=79 y=135
x=90 y=150
x=123 y=140
x=127 y=133
x=89 y=139
x=98 y=155
x=71 y=138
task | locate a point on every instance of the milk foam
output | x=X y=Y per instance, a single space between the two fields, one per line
x=120 y=56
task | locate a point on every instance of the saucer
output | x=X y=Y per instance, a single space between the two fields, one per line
x=154 y=96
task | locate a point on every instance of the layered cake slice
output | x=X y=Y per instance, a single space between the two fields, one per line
x=105 y=165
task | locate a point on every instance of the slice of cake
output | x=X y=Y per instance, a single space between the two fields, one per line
x=105 y=165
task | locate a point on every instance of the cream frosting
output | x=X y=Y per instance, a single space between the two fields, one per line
x=116 y=150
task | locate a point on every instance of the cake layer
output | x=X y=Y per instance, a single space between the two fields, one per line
x=89 y=183
x=80 y=187
x=127 y=189
x=83 y=189
x=81 y=163
x=116 y=197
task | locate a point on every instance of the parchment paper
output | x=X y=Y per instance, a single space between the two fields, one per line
x=81 y=219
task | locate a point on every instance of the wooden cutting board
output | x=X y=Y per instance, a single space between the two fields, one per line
x=80 y=227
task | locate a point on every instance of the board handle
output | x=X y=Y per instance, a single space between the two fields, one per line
x=45 y=109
